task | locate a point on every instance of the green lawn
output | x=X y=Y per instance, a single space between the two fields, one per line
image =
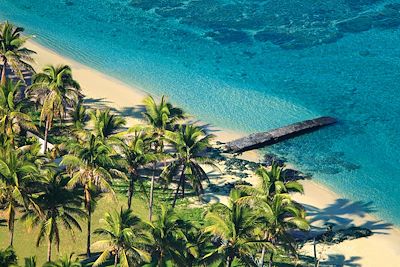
x=25 y=241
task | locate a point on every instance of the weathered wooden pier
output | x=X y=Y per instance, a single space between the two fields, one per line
x=259 y=140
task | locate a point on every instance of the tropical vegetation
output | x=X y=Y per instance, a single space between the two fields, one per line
x=65 y=163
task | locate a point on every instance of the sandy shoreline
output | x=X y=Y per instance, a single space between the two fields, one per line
x=381 y=249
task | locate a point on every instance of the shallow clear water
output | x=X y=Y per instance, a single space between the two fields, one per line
x=255 y=65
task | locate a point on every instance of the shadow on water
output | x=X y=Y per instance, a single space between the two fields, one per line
x=338 y=213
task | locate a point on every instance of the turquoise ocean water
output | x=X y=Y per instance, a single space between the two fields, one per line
x=252 y=65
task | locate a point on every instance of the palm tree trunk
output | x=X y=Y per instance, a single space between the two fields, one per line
x=11 y=223
x=152 y=192
x=3 y=72
x=230 y=261
x=116 y=259
x=315 y=254
x=46 y=133
x=48 y=250
x=271 y=259
x=89 y=211
x=11 y=236
x=263 y=251
x=183 y=189
x=130 y=191
x=181 y=181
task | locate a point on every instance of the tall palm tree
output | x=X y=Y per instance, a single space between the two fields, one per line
x=12 y=51
x=137 y=153
x=59 y=207
x=91 y=167
x=125 y=239
x=64 y=261
x=190 y=144
x=16 y=177
x=168 y=243
x=56 y=90
x=105 y=123
x=13 y=119
x=161 y=116
x=235 y=226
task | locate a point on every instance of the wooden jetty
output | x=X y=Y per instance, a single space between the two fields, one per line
x=259 y=140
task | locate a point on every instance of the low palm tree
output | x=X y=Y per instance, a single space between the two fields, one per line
x=125 y=239
x=12 y=117
x=59 y=207
x=272 y=205
x=12 y=51
x=79 y=117
x=56 y=91
x=136 y=152
x=16 y=177
x=8 y=257
x=273 y=182
x=30 y=262
x=168 y=242
x=277 y=217
x=91 y=167
x=64 y=261
x=234 y=225
x=105 y=123
x=190 y=144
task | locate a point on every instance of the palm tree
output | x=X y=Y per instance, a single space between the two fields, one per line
x=16 y=177
x=30 y=262
x=137 y=153
x=64 y=261
x=190 y=144
x=265 y=200
x=161 y=116
x=273 y=182
x=56 y=91
x=125 y=239
x=79 y=117
x=105 y=124
x=59 y=207
x=277 y=217
x=12 y=51
x=235 y=226
x=91 y=167
x=8 y=257
x=13 y=119
x=168 y=243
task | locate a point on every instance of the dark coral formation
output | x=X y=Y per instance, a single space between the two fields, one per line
x=291 y=24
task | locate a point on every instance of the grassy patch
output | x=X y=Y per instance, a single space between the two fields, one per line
x=25 y=240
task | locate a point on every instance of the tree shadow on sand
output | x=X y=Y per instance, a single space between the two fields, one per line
x=341 y=260
x=135 y=112
x=337 y=214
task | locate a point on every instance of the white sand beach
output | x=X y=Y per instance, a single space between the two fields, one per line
x=324 y=205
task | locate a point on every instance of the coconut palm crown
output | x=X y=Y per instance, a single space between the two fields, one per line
x=13 y=54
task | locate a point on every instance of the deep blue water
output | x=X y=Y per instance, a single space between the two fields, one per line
x=252 y=65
